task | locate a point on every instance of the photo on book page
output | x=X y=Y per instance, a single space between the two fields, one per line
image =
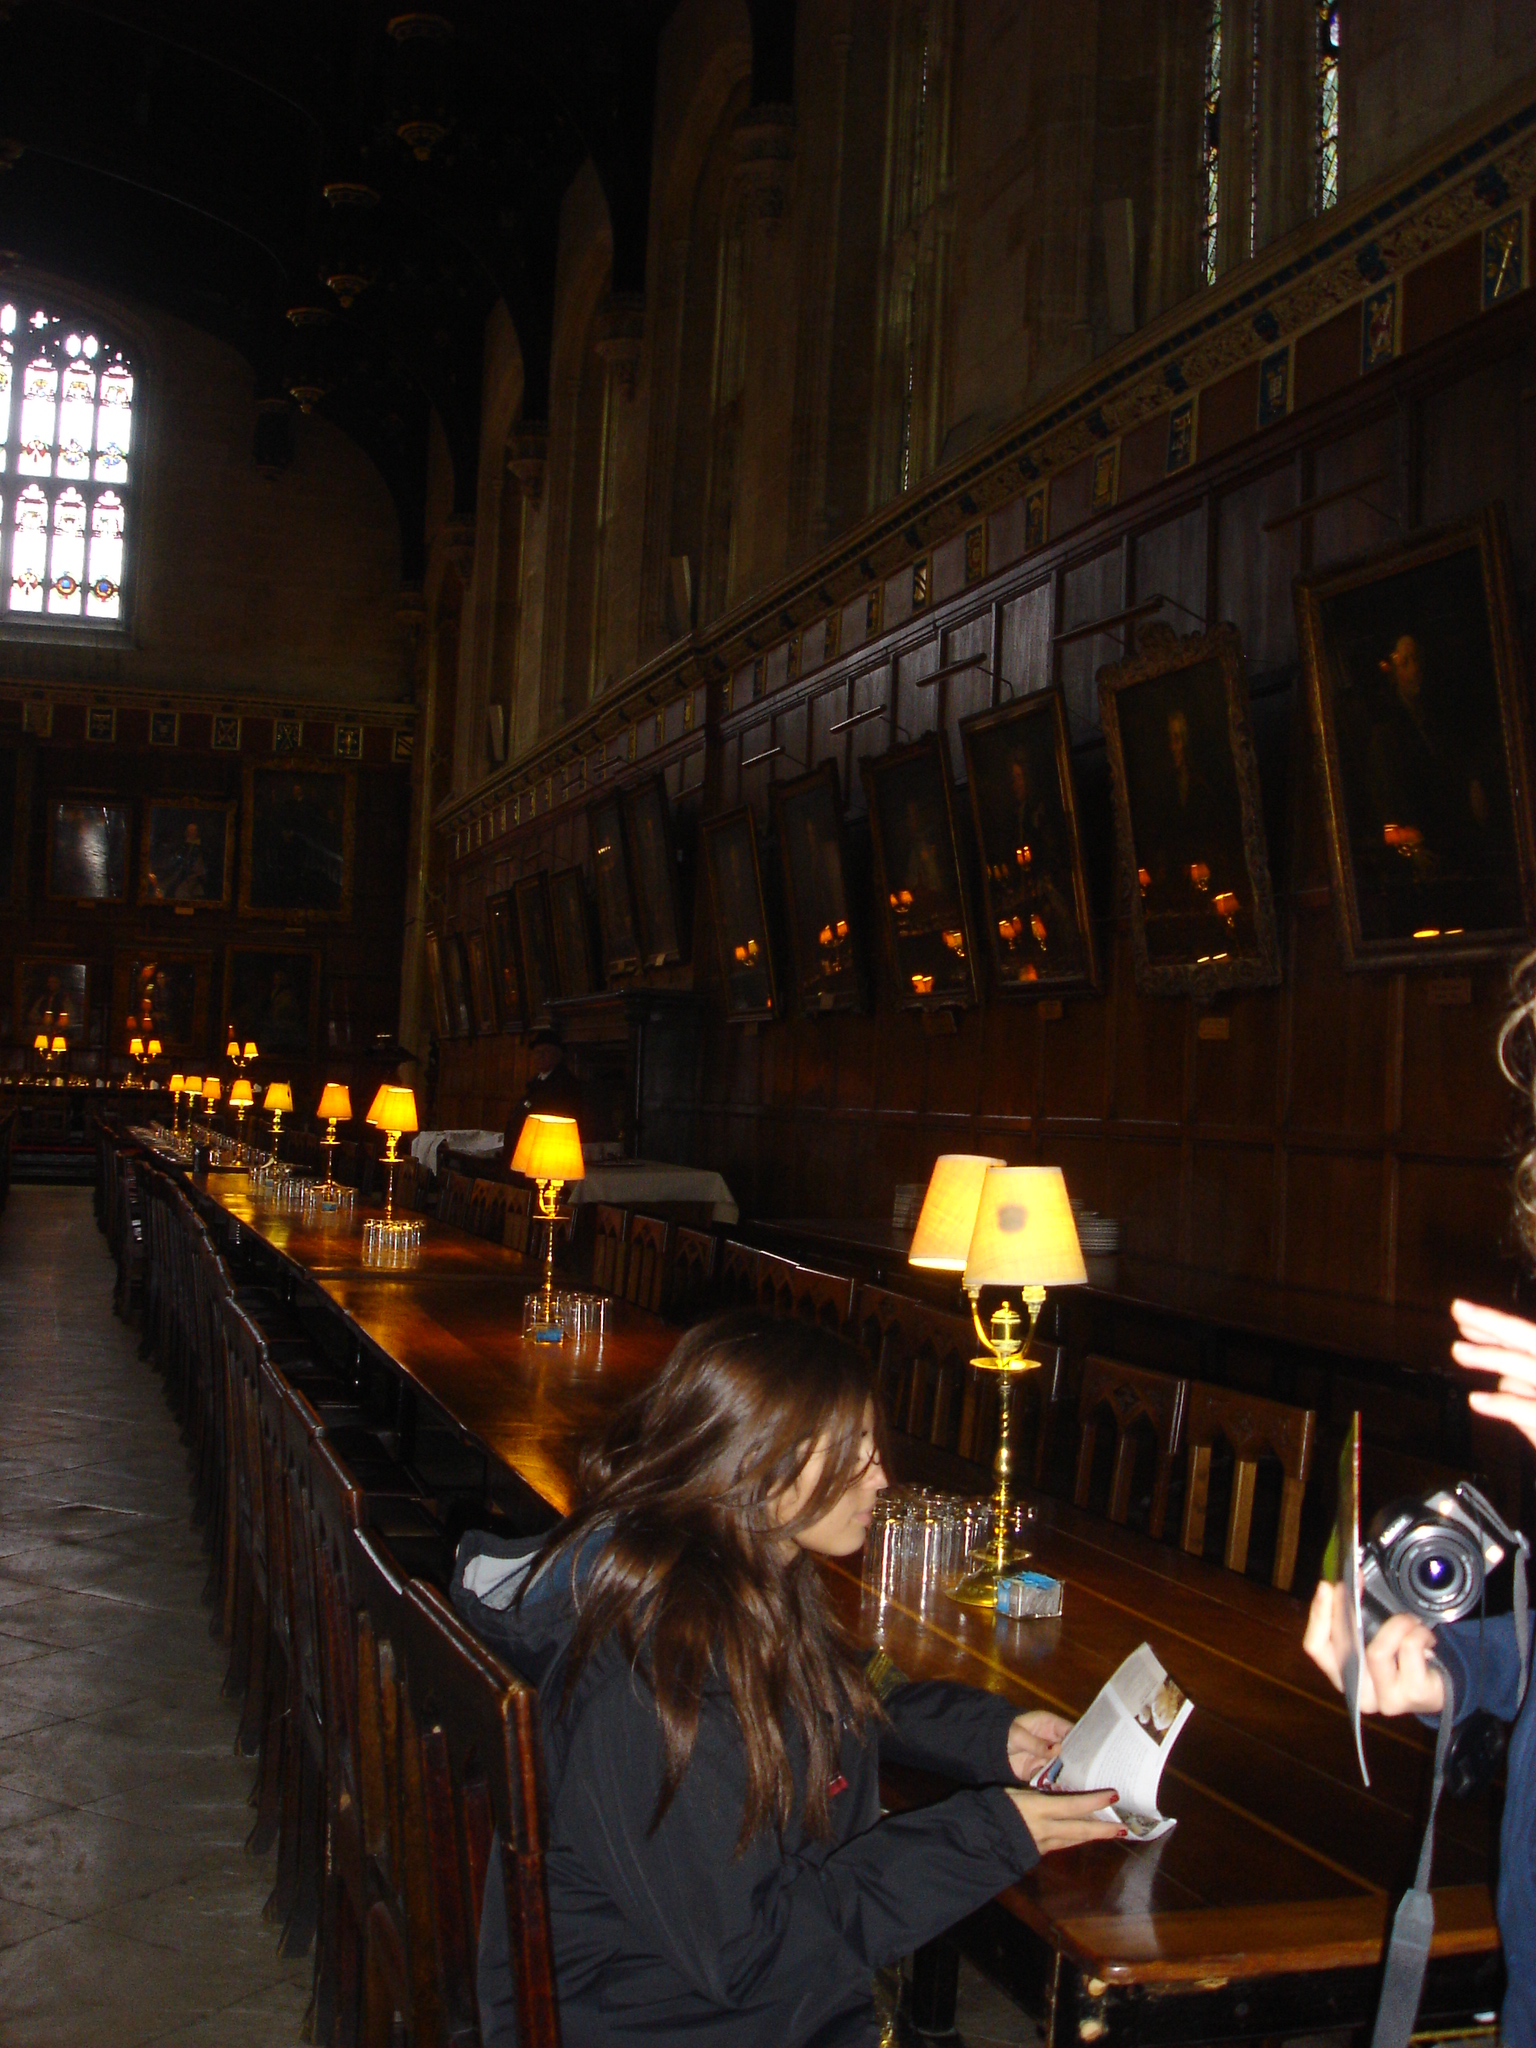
x=1123 y=1740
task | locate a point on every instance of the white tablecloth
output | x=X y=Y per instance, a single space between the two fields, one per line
x=428 y=1146
x=634 y=1183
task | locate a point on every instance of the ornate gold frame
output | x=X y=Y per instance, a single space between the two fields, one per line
x=188 y=803
x=343 y=912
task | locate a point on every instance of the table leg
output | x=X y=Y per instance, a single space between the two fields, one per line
x=935 y=1985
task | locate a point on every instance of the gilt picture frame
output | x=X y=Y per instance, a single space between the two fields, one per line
x=272 y=995
x=1417 y=697
x=919 y=890
x=617 y=922
x=536 y=941
x=89 y=840
x=160 y=992
x=505 y=970
x=1189 y=821
x=571 y=921
x=740 y=919
x=52 y=995
x=480 y=986
x=442 y=1022
x=187 y=853
x=824 y=932
x=296 y=853
x=653 y=871
x=461 y=1012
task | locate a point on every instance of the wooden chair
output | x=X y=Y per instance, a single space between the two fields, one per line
x=824 y=1298
x=645 y=1262
x=518 y=1219
x=488 y=1209
x=609 y=1228
x=454 y=1205
x=1136 y=1403
x=690 y=1274
x=1252 y=1429
x=776 y=1284
x=738 y=1274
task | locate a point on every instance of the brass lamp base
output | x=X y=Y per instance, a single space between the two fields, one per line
x=1006 y=1354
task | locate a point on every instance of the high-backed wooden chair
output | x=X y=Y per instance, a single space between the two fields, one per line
x=1252 y=1429
x=824 y=1298
x=454 y=1205
x=610 y=1226
x=518 y=1218
x=1134 y=1404
x=690 y=1274
x=645 y=1262
x=775 y=1284
x=738 y=1274
x=488 y=1209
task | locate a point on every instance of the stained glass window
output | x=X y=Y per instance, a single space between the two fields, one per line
x=1210 y=141
x=1327 y=104
x=66 y=433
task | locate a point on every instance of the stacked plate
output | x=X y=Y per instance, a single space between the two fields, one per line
x=1098 y=1235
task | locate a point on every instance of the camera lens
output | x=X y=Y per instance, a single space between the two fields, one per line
x=1437 y=1570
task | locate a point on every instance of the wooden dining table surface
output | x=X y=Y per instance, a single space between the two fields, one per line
x=1282 y=1864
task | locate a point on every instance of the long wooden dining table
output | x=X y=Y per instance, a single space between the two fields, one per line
x=1262 y=1913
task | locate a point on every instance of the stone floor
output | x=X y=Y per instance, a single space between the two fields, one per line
x=129 y=1909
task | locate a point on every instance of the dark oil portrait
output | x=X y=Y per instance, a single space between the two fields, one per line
x=297 y=859
x=480 y=983
x=1038 y=931
x=88 y=851
x=917 y=871
x=1413 y=674
x=161 y=995
x=442 y=1023
x=271 y=995
x=1188 y=816
x=540 y=986
x=572 y=932
x=615 y=901
x=741 y=923
x=501 y=934
x=653 y=871
x=456 y=978
x=808 y=823
x=51 y=997
x=187 y=853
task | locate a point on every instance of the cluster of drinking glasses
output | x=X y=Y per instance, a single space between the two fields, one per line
x=567 y=1316
x=396 y=1243
x=921 y=1541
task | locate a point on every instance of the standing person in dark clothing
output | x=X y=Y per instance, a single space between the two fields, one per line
x=717 y=1866
x=552 y=1090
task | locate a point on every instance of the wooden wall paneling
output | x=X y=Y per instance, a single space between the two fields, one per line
x=954 y=1063
x=1339 y=1035
x=1255 y=569
x=1150 y=1057
x=828 y=706
x=917 y=701
x=1359 y=525
x=1168 y=560
x=756 y=772
x=1024 y=638
x=1009 y=1060
x=1449 y=1083
x=1333 y=1219
x=869 y=688
x=1091 y=589
x=1083 y=1157
x=1074 y=1057
x=973 y=690
x=813 y=1061
x=1235 y=1082
x=1230 y=1220
x=1454 y=1234
x=1476 y=443
x=1143 y=1188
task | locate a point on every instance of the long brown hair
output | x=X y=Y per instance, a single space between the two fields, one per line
x=1517 y=1038
x=692 y=1575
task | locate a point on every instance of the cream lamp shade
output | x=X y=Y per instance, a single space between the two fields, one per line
x=1024 y=1235
x=135 y=1048
x=335 y=1101
x=194 y=1084
x=943 y=1234
x=60 y=1044
x=178 y=1082
x=213 y=1088
x=40 y=1043
x=240 y=1096
x=153 y=1048
x=278 y=1096
x=549 y=1148
x=394 y=1109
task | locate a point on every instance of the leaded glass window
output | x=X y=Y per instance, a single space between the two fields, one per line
x=66 y=435
x=1210 y=141
x=1327 y=104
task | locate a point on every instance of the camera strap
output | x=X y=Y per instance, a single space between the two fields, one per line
x=1413 y=1925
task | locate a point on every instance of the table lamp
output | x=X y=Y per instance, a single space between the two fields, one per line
x=1022 y=1238
x=549 y=1151
x=178 y=1082
x=335 y=1103
x=59 y=1047
x=152 y=1050
x=943 y=1234
x=194 y=1087
x=136 y=1054
x=279 y=1099
x=240 y=1100
x=213 y=1093
x=393 y=1112
x=232 y=1052
x=40 y=1045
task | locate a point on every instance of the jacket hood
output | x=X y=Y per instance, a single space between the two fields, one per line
x=533 y=1632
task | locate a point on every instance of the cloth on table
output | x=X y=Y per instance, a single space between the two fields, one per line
x=429 y=1146
x=644 y=1183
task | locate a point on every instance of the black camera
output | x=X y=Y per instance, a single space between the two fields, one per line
x=1430 y=1557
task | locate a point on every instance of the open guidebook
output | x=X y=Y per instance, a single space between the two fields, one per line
x=1123 y=1740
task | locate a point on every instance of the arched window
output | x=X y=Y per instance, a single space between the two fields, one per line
x=66 y=430
x=1327 y=77
x=1210 y=146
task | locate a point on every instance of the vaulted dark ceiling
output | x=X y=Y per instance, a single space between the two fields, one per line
x=177 y=152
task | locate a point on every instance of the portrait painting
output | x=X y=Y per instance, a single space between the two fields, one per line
x=52 y=996
x=161 y=994
x=741 y=920
x=917 y=876
x=1189 y=823
x=813 y=863
x=540 y=986
x=1417 y=698
x=187 y=852
x=88 y=851
x=296 y=859
x=461 y=1015
x=480 y=987
x=14 y=783
x=653 y=871
x=572 y=926
x=616 y=920
x=506 y=976
x=272 y=995
x=1037 y=926
x=442 y=1023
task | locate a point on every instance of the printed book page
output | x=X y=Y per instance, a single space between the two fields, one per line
x=1122 y=1741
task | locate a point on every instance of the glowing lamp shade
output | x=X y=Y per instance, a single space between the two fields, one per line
x=194 y=1084
x=232 y=1050
x=213 y=1089
x=278 y=1096
x=60 y=1045
x=394 y=1109
x=40 y=1043
x=250 y=1049
x=178 y=1082
x=240 y=1096
x=549 y=1148
x=1024 y=1235
x=943 y=1234
x=135 y=1048
x=153 y=1048
x=335 y=1101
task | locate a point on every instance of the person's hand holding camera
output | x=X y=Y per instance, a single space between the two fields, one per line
x=1396 y=1676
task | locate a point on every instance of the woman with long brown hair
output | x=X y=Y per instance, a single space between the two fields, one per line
x=718 y=1868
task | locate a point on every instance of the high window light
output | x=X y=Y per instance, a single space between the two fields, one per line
x=66 y=433
x=1327 y=104
x=1210 y=141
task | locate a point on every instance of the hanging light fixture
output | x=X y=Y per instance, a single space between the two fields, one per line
x=420 y=109
x=349 y=261
x=306 y=379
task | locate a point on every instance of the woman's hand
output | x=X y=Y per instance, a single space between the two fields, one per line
x=1060 y=1820
x=1494 y=1342
x=1033 y=1740
x=1396 y=1676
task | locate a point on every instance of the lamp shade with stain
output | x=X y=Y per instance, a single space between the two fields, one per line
x=394 y=1109
x=943 y=1234
x=549 y=1148
x=335 y=1101
x=279 y=1095
x=240 y=1096
x=1025 y=1235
